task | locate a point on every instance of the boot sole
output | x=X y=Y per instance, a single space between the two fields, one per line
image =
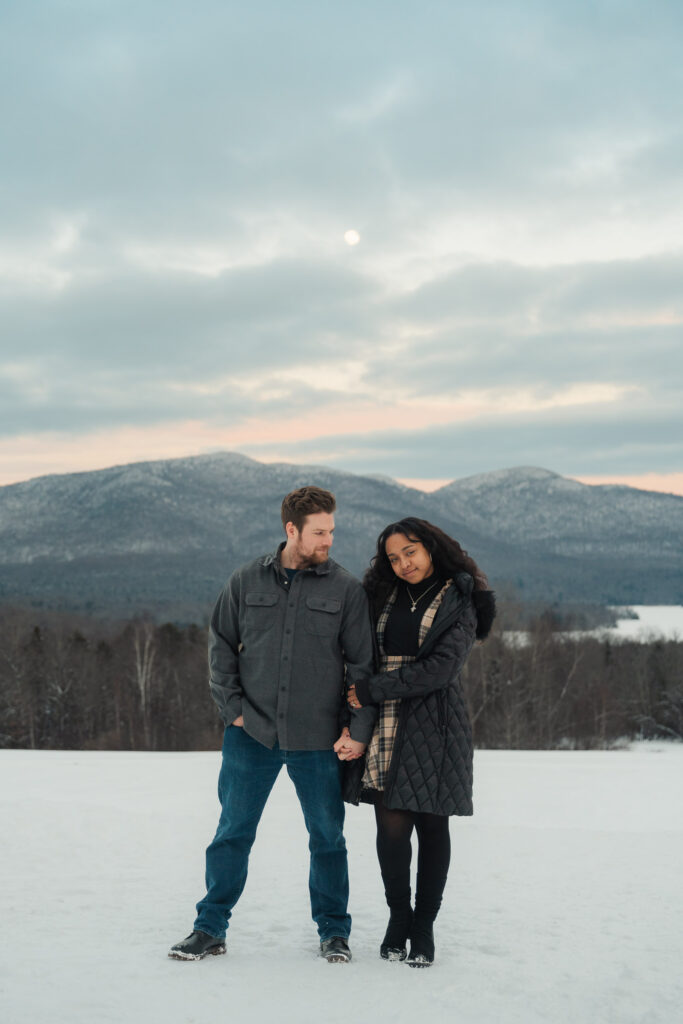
x=393 y=954
x=176 y=954
x=419 y=961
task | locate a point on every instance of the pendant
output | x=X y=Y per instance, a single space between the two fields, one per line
x=413 y=608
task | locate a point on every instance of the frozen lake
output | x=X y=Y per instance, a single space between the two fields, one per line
x=563 y=905
x=652 y=621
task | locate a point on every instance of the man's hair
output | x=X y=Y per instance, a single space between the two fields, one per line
x=304 y=502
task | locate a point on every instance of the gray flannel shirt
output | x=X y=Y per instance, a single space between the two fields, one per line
x=280 y=653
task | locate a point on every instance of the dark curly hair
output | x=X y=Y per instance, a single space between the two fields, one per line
x=447 y=555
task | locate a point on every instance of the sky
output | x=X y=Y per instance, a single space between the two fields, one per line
x=426 y=240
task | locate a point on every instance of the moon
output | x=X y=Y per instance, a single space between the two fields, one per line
x=351 y=237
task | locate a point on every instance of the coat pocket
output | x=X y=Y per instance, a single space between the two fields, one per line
x=261 y=610
x=322 y=616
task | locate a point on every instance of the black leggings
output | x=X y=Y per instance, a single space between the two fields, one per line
x=394 y=829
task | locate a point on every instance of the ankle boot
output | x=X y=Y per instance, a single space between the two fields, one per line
x=421 y=942
x=394 y=943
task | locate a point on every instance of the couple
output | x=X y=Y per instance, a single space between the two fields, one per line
x=294 y=655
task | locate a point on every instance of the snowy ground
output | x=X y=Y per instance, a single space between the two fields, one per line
x=564 y=902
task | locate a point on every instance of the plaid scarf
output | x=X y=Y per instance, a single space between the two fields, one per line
x=378 y=754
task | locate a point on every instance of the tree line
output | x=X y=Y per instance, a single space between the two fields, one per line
x=83 y=683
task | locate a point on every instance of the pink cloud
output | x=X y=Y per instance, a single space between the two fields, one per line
x=669 y=483
x=427 y=484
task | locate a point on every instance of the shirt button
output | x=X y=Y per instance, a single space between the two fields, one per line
x=285 y=658
x=283 y=689
x=288 y=631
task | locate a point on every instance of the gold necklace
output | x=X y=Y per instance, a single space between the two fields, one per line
x=413 y=601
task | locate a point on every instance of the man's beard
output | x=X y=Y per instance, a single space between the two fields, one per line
x=315 y=558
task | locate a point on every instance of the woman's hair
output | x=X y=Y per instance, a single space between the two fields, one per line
x=447 y=555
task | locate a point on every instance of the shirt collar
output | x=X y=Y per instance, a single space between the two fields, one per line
x=274 y=559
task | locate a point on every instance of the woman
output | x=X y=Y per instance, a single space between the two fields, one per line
x=429 y=602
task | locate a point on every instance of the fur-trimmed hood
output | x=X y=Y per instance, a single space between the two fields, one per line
x=485 y=606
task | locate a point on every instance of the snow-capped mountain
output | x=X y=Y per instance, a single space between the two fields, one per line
x=163 y=536
x=568 y=517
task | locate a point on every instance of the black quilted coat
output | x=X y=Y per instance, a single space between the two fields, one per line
x=431 y=763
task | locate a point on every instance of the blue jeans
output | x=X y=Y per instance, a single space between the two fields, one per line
x=247 y=776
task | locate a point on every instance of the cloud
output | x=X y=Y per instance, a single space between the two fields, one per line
x=598 y=443
x=291 y=342
x=173 y=251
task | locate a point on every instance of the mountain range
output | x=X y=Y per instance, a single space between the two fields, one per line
x=163 y=536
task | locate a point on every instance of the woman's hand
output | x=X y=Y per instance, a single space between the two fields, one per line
x=351 y=698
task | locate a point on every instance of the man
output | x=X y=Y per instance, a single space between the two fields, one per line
x=288 y=632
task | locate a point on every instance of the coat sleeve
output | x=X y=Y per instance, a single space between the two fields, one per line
x=224 y=644
x=424 y=675
x=357 y=647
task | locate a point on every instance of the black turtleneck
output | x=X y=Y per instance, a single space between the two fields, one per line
x=403 y=626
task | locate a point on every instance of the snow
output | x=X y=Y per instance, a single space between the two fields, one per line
x=652 y=621
x=564 y=901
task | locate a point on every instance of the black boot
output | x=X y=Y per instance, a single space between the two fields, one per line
x=421 y=942
x=335 y=950
x=394 y=942
x=196 y=946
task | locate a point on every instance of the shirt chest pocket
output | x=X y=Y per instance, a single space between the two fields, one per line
x=323 y=615
x=261 y=610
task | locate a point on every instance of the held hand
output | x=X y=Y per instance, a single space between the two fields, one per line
x=343 y=739
x=347 y=749
x=239 y=721
x=351 y=698
x=353 y=750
